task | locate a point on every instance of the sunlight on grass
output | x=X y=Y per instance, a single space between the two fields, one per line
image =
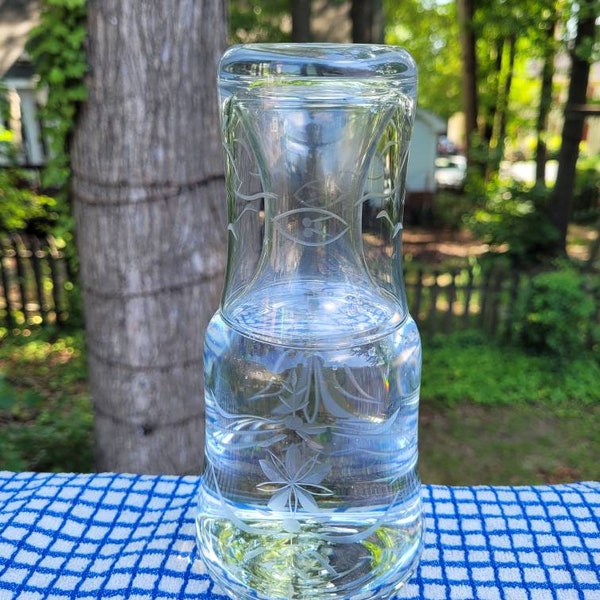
x=495 y=414
x=490 y=413
x=45 y=411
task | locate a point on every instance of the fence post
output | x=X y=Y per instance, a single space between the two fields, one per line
x=496 y=289
x=58 y=280
x=16 y=243
x=467 y=296
x=484 y=293
x=513 y=297
x=6 y=285
x=418 y=293
x=451 y=295
x=27 y=264
x=37 y=255
x=432 y=316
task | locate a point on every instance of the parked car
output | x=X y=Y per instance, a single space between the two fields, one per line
x=451 y=172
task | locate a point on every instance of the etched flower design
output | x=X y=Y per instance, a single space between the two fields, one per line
x=310 y=226
x=296 y=480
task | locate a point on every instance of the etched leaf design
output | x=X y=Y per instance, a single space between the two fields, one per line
x=396 y=227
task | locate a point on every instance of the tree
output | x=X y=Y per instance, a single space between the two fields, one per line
x=507 y=49
x=367 y=21
x=265 y=20
x=300 y=10
x=430 y=33
x=541 y=149
x=561 y=202
x=499 y=40
x=466 y=13
x=150 y=218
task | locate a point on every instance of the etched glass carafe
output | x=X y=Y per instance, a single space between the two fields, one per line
x=313 y=363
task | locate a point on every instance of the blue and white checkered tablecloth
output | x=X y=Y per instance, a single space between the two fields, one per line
x=132 y=536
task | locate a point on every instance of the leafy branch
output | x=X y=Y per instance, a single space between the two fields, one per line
x=57 y=46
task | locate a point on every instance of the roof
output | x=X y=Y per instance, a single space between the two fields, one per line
x=17 y=18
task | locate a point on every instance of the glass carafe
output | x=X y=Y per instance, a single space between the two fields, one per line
x=313 y=363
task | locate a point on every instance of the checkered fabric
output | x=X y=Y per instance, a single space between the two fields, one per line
x=132 y=536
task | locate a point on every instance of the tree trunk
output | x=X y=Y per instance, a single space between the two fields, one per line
x=561 y=202
x=505 y=75
x=487 y=106
x=150 y=217
x=367 y=21
x=466 y=12
x=300 y=10
x=541 y=150
x=503 y=102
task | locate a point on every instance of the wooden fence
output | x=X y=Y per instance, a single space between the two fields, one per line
x=442 y=301
x=33 y=281
x=34 y=278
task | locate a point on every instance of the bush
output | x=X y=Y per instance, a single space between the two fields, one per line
x=515 y=219
x=450 y=208
x=24 y=207
x=586 y=198
x=554 y=313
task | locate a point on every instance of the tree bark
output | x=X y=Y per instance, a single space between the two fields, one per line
x=541 y=149
x=497 y=143
x=367 y=21
x=151 y=224
x=561 y=203
x=466 y=12
x=301 y=10
x=505 y=94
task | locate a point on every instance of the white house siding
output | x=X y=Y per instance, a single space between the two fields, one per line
x=420 y=175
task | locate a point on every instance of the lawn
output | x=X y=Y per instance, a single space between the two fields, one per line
x=45 y=409
x=489 y=414
x=469 y=444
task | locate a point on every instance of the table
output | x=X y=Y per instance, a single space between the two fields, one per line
x=89 y=536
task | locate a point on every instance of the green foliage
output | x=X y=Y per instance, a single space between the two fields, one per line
x=45 y=412
x=429 y=31
x=468 y=367
x=553 y=315
x=588 y=47
x=586 y=199
x=22 y=206
x=514 y=219
x=258 y=21
x=57 y=48
x=450 y=210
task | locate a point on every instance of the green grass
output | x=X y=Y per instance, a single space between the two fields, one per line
x=495 y=414
x=45 y=410
x=468 y=367
x=469 y=444
x=490 y=414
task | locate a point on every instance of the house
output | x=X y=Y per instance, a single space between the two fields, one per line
x=18 y=82
x=420 y=176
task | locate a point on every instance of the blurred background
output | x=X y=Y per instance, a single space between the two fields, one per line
x=501 y=238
